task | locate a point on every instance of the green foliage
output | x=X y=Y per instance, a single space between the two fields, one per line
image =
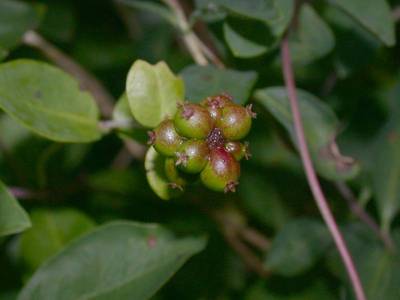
x=320 y=126
x=202 y=82
x=155 y=172
x=153 y=92
x=16 y=17
x=48 y=101
x=306 y=43
x=297 y=247
x=375 y=16
x=13 y=218
x=134 y=262
x=51 y=231
x=75 y=172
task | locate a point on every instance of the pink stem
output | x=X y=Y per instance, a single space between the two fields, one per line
x=311 y=175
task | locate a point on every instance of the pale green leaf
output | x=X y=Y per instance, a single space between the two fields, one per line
x=48 y=101
x=153 y=92
x=155 y=173
x=119 y=260
x=13 y=218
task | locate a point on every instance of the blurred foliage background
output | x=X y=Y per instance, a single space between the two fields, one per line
x=68 y=189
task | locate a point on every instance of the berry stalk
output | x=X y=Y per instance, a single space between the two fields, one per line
x=311 y=175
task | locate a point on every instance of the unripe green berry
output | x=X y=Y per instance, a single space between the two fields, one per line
x=214 y=104
x=165 y=139
x=221 y=172
x=192 y=156
x=235 y=121
x=238 y=150
x=176 y=180
x=193 y=121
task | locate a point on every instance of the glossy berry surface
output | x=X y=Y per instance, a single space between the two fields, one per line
x=193 y=121
x=221 y=172
x=238 y=150
x=235 y=121
x=215 y=104
x=192 y=156
x=165 y=139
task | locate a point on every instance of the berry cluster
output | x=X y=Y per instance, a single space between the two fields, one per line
x=204 y=138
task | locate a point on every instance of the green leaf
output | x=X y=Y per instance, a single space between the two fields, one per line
x=274 y=13
x=120 y=260
x=156 y=177
x=152 y=7
x=320 y=126
x=375 y=16
x=297 y=247
x=204 y=81
x=312 y=38
x=48 y=101
x=153 y=92
x=13 y=218
x=16 y=17
x=386 y=173
x=51 y=231
x=355 y=46
x=248 y=38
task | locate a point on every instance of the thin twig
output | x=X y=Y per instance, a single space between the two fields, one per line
x=255 y=238
x=189 y=38
x=363 y=215
x=232 y=231
x=311 y=175
x=87 y=80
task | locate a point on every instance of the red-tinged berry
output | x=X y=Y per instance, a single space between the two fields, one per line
x=193 y=121
x=238 y=150
x=235 y=121
x=165 y=139
x=221 y=172
x=192 y=156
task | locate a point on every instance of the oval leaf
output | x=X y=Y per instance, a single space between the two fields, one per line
x=48 y=101
x=153 y=92
x=13 y=218
x=375 y=16
x=204 y=81
x=155 y=173
x=320 y=126
x=120 y=260
x=51 y=231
